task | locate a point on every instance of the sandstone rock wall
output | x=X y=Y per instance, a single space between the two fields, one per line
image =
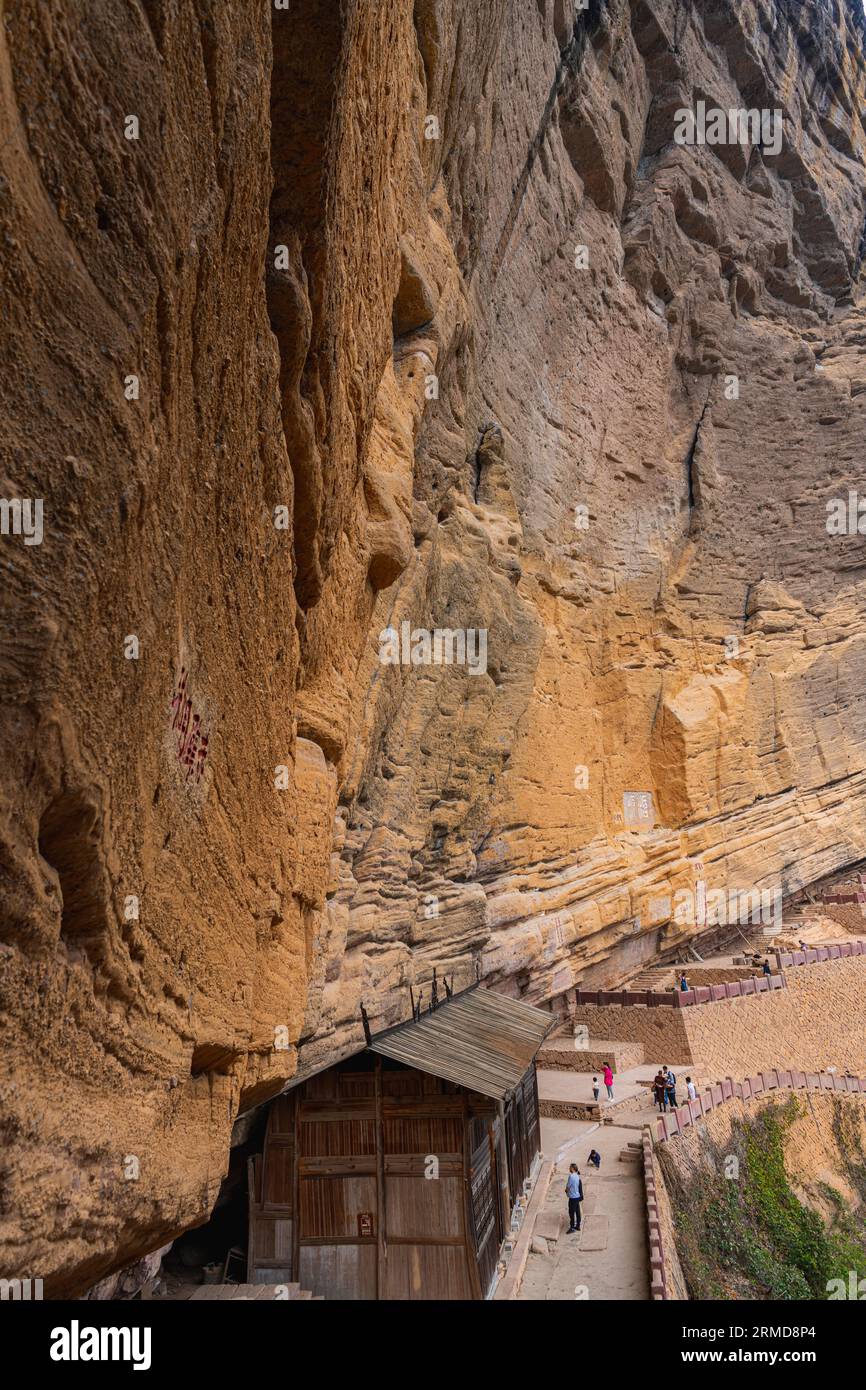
x=683 y=642
x=374 y=388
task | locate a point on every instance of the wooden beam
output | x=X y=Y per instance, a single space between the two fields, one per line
x=347 y=1166
x=337 y=1240
x=338 y=1110
x=468 y=1223
x=450 y=1165
x=454 y=1242
x=502 y=1166
x=429 y=1106
x=296 y=1193
x=382 y=1251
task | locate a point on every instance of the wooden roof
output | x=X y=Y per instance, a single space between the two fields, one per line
x=478 y=1039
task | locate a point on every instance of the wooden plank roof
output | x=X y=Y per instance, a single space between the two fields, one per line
x=478 y=1039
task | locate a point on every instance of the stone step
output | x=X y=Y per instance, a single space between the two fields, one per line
x=247 y=1293
x=550 y=1225
x=594 y=1233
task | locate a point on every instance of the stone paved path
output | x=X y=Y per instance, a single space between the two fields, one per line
x=608 y=1260
x=629 y=1088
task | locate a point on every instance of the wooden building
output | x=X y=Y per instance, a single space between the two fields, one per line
x=392 y=1174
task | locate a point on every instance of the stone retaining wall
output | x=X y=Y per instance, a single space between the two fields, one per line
x=662 y=1032
x=667 y=1281
x=560 y=1054
x=808 y=1016
x=816 y=1021
x=847 y=916
x=680 y=998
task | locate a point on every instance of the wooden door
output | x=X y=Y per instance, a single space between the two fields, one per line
x=533 y=1125
x=271 y=1207
x=484 y=1210
x=338 y=1205
x=515 y=1137
x=424 y=1182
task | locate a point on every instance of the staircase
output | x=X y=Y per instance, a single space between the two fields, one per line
x=660 y=978
x=246 y=1293
x=632 y=1153
x=795 y=919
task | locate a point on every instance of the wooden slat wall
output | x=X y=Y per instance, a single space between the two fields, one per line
x=324 y=1138
x=329 y=1206
x=424 y=1209
x=427 y=1272
x=432 y=1237
x=339 y=1271
x=427 y=1135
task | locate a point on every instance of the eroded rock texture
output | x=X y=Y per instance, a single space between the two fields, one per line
x=375 y=388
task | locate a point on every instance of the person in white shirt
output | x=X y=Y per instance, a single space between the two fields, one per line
x=690 y=1089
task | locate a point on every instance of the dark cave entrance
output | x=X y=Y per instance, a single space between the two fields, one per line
x=216 y=1252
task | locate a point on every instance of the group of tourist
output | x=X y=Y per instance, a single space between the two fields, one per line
x=664 y=1087
x=607 y=1073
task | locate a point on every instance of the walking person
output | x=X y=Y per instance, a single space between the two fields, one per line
x=691 y=1090
x=608 y=1080
x=684 y=984
x=574 y=1193
x=670 y=1088
x=595 y=1088
x=660 y=1091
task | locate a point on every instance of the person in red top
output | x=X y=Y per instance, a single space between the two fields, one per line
x=608 y=1080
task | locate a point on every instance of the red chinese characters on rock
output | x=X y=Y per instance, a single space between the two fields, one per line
x=191 y=742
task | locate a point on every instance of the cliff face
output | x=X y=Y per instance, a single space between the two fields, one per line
x=311 y=352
